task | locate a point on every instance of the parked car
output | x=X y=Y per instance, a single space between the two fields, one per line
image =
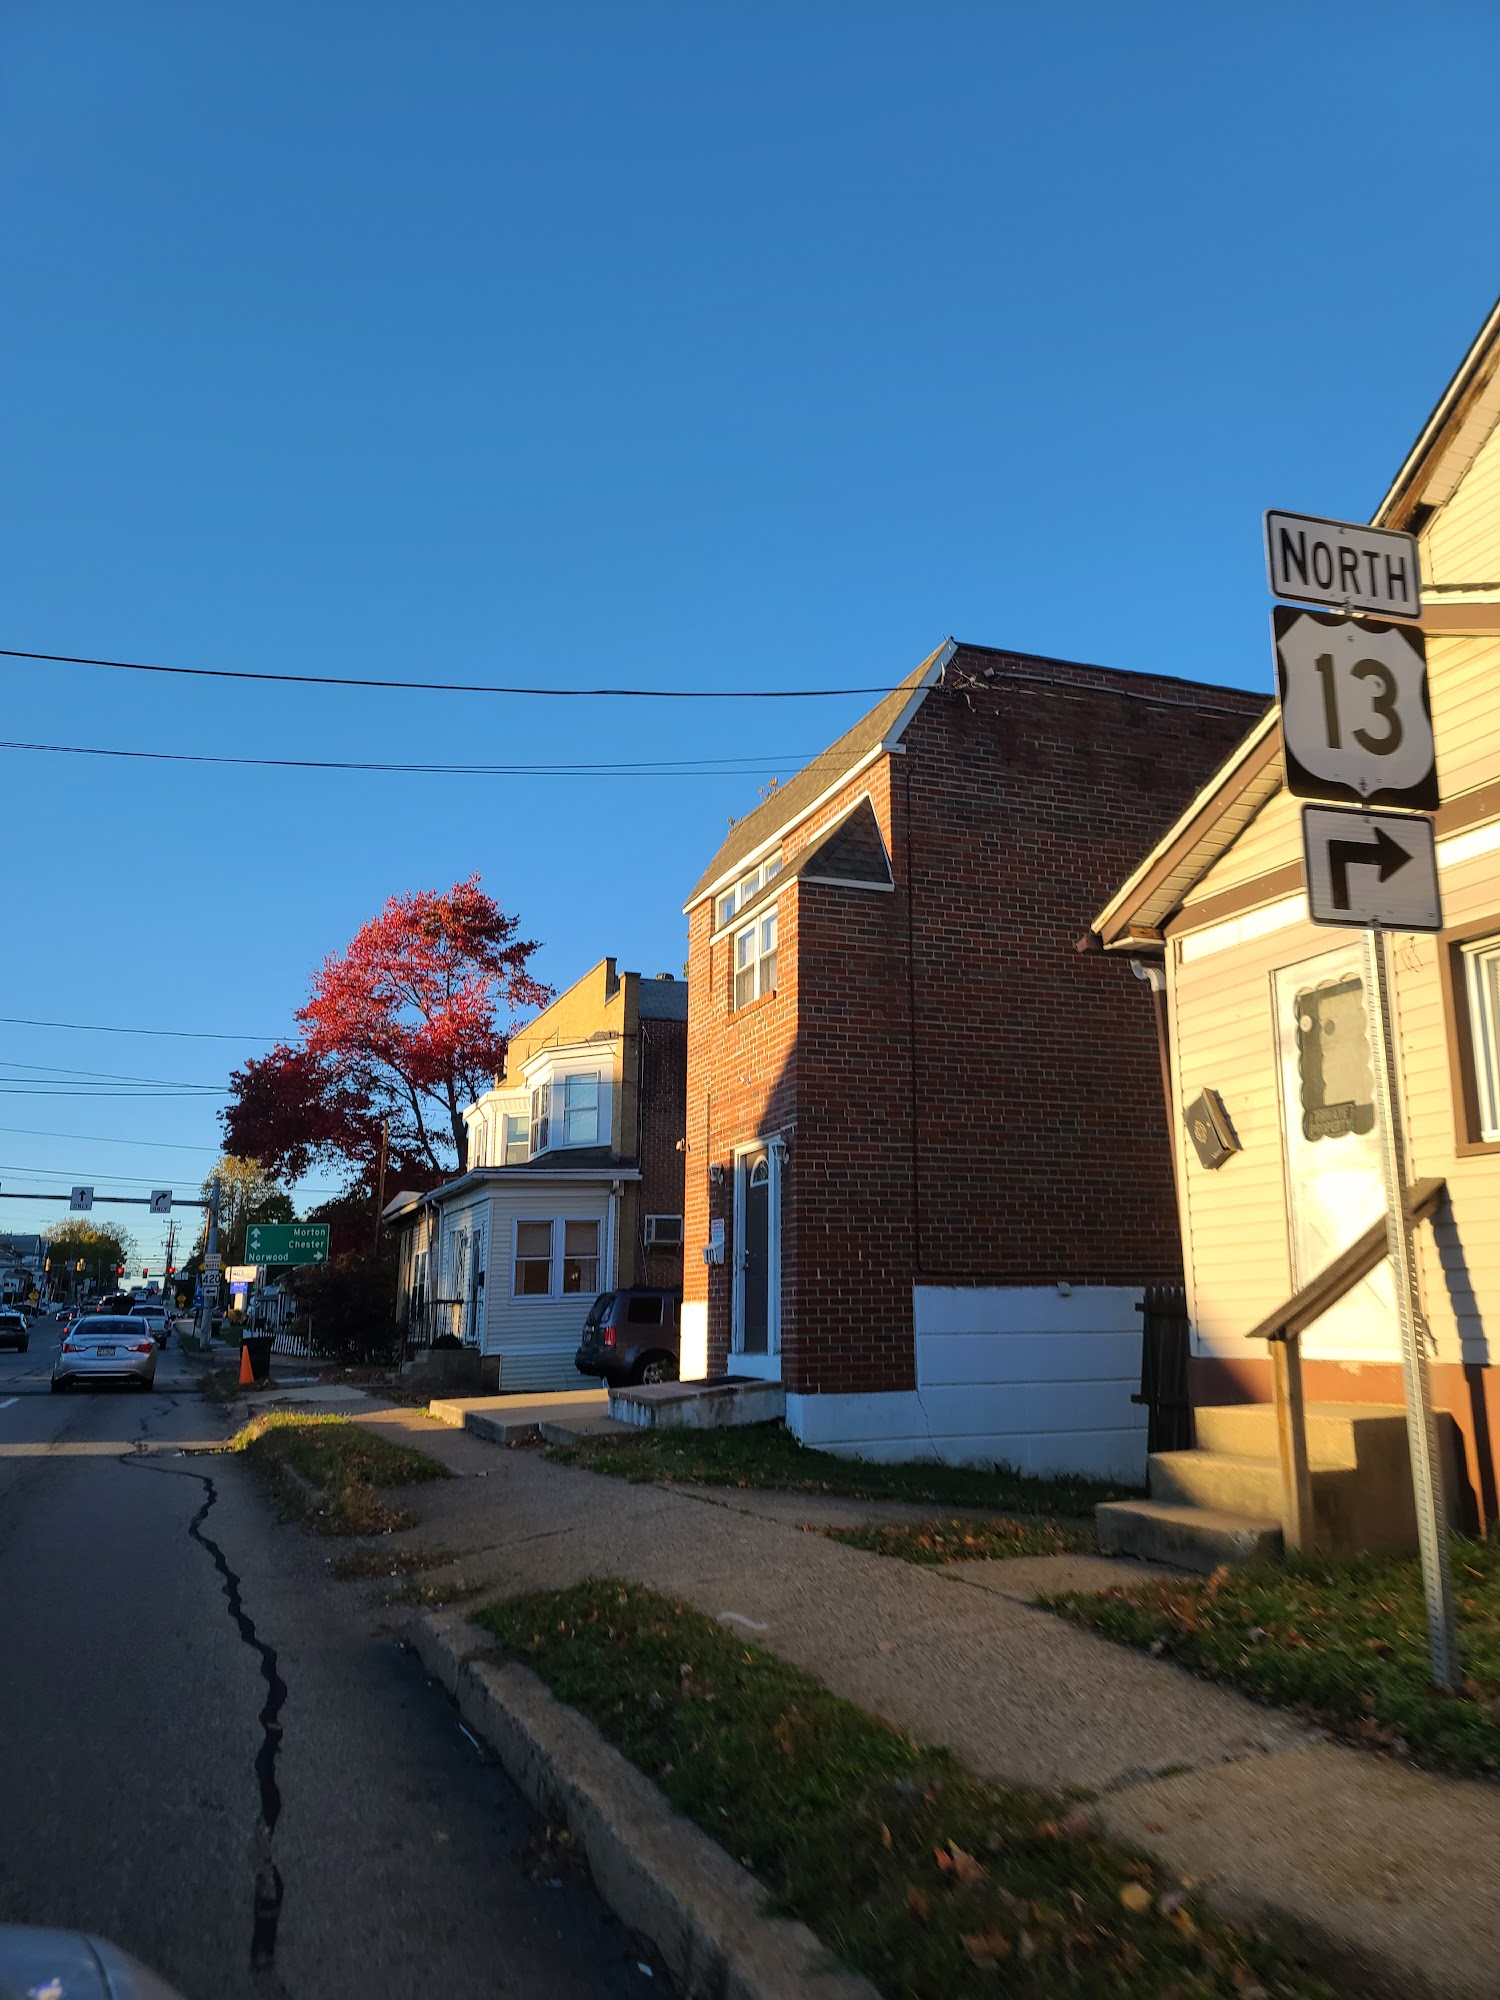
x=14 y=1332
x=106 y=1347
x=154 y=1314
x=633 y=1335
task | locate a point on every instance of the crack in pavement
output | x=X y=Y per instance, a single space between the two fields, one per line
x=268 y=1887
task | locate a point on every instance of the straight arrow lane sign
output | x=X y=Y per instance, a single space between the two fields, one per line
x=1370 y=870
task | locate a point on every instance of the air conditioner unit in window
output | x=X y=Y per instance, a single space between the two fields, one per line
x=664 y=1229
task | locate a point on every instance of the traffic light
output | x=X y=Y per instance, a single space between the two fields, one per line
x=119 y=1270
x=145 y=1270
x=171 y=1270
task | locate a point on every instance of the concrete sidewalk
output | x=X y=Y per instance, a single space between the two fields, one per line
x=1390 y=1870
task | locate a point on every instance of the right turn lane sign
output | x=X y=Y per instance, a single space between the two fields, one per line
x=1370 y=869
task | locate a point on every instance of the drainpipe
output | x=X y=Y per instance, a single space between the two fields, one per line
x=1152 y=974
x=609 y=1239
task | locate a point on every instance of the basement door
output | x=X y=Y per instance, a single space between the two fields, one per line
x=1334 y=1187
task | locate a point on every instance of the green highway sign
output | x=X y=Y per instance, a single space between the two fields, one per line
x=286 y=1243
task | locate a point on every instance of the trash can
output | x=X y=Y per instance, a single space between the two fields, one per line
x=258 y=1347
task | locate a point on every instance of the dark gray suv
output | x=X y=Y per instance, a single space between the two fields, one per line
x=632 y=1335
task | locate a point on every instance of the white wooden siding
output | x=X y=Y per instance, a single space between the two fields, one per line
x=1261 y=847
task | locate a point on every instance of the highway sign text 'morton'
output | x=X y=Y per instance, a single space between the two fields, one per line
x=1368 y=869
x=1340 y=562
x=1356 y=722
x=286 y=1243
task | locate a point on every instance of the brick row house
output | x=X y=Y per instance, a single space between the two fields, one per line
x=928 y=1175
x=573 y=1184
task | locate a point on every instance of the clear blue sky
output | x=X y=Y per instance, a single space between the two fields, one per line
x=736 y=345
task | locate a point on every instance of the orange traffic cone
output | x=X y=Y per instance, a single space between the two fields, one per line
x=247 y=1373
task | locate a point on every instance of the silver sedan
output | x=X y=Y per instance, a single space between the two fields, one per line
x=105 y=1348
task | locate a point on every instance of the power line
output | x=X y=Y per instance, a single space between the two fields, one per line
x=55 y=1072
x=110 y=1139
x=105 y=1090
x=98 y=1028
x=72 y=1174
x=452 y=687
x=699 y=767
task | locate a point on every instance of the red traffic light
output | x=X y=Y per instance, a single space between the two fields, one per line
x=119 y=1270
x=145 y=1270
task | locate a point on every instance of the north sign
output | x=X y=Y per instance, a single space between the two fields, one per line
x=1340 y=562
x=1356 y=721
x=1370 y=869
x=286 y=1243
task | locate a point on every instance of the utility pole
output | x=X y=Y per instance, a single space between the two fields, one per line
x=385 y=1141
x=210 y=1273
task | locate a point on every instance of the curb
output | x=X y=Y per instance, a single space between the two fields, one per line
x=659 y=1873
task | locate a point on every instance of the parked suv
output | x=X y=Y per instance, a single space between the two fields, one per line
x=14 y=1332
x=632 y=1336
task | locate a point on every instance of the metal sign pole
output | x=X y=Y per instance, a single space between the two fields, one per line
x=1421 y=1424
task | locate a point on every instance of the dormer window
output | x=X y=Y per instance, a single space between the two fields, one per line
x=581 y=1110
x=750 y=884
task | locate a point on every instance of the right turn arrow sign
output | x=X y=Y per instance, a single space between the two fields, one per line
x=1370 y=869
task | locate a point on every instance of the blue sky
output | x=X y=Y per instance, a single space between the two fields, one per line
x=697 y=346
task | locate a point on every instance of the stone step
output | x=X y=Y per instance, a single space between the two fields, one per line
x=703 y=1406
x=1228 y=1481
x=1198 y=1538
x=1249 y=1430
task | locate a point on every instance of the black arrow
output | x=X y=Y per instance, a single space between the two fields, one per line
x=1346 y=854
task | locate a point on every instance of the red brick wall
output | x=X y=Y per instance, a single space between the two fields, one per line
x=663 y=1118
x=966 y=1099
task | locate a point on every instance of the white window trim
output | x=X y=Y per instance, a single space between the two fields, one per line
x=605 y=1224
x=720 y=923
x=1484 y=1047
x=736 y=1005
x=768 y=1363
x=554 y=1078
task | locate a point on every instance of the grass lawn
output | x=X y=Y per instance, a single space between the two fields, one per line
x=767 y=1455
x=342 y=1461
x=1345 y=1642
x=935 y=1885
x=936 y=1542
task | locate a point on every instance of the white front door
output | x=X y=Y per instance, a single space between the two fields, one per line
x=1326 y=1052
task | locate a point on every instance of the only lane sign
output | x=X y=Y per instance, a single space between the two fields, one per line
x=1340 y=562
x=1356 y=721
x=1367 y=869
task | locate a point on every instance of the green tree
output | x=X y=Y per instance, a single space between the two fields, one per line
x=247 y=1194
x=103 y=1248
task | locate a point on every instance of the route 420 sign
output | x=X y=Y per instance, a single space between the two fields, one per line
x=1355 y=718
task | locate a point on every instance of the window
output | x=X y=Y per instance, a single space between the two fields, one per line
x=479 y=1136
x=516 y=1131
x=581 y=1257
x=755 y=960
x=1481 y=963
x=664 y=1229
x=541 y=1117
x=644 y=1309
x=581 y=1109
x=533 y=1260
x=749 y=885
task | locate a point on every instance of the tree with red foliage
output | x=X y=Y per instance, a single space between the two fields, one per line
x=401 y=1028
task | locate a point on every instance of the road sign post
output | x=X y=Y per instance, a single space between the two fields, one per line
x=1356 y=725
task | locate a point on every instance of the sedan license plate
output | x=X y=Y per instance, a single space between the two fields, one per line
x=104 y=1350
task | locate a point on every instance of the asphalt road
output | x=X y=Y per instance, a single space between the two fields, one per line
x=210 y=1753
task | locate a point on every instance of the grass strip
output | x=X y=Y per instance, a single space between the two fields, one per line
x=1343 y=1642
x=934 y=1542
x=904 y=1864
x=357 y=1564
x=326 y=1470
x=768 y=1456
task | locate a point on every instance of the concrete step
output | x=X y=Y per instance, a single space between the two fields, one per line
x=698 y=1405
x=1335 y=1431
x=1229 y=1482
x=1198 y=1538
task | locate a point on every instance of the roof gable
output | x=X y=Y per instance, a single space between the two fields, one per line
x=792 y=802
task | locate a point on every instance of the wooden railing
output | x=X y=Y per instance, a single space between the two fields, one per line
x=1284 y=1329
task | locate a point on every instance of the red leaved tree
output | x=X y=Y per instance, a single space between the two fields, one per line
x=403 y=1027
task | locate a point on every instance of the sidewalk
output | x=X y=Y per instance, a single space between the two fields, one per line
x=1397 y=1866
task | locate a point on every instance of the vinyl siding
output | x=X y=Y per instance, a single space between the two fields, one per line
x=1462 y=542
x=1464 y=675
x=1272 y=837
x=537 y=1338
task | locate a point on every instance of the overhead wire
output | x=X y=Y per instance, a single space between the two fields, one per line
x=701 y=767
x=449 y=687
x=102 y=1028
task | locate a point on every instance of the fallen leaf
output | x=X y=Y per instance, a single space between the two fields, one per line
x=986 y=1948
x=1080 y=1823
x=964 y=1866
x=885 y=1835
x=941 y=1857
x=916 y=1902
x=1136 y=1897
